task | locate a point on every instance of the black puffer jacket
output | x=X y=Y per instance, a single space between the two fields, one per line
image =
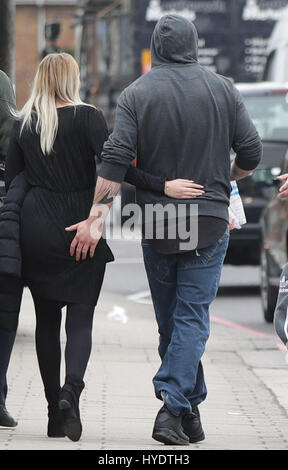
x=11 y=283
x=10 y=249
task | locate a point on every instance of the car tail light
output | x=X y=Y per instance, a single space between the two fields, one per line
x=280 y=92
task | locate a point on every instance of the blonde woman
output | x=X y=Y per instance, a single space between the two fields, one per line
x=54 y=141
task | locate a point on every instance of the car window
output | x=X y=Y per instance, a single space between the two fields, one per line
x=259 y=184
x=270 y=115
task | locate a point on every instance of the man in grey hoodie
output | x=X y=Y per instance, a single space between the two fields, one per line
x=181 y=121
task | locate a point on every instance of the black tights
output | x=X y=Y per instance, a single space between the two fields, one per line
x=79 y=321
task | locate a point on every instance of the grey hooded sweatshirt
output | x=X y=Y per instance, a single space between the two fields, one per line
x=180 y=120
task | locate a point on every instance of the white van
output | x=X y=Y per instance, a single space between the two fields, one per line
x=276 y=68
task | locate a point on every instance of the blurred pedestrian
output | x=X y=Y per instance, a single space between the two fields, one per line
x=10 y=289
x=181 y=121
x=7 y=101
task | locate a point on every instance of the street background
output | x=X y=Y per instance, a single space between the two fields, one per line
x=245 y=363
x=246 y=370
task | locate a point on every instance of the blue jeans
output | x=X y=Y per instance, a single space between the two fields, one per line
x=183 y=287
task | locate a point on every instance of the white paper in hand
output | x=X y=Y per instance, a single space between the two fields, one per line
x=236 y=210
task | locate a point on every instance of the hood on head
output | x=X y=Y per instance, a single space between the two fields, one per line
x=174 y=40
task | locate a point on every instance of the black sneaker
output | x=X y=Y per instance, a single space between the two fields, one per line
x=168 y=429
x=6 y=419
x=192 y=426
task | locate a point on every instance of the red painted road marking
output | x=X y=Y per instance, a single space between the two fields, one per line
x=237 y=326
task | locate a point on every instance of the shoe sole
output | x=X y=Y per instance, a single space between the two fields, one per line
x=8 y=425
x=54 y=436
x=168 y=437
x=199 y=438
x=72 y=427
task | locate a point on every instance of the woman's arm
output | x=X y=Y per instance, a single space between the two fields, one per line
x=97 y=130
x=15 y=158
x=142 y=179
x=176 y=189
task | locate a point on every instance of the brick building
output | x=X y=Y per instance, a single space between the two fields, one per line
x=30 y=41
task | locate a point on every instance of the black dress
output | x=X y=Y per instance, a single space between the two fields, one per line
x=61 y=194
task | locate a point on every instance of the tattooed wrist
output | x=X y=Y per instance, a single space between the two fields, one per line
x=106 y=200
x=105 y=191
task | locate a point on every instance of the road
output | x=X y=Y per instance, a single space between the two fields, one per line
x=238 y=300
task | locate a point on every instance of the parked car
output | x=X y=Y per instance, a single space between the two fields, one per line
x=274 y=247
x=268 y=107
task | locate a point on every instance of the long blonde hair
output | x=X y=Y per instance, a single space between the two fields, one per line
x=57 y=76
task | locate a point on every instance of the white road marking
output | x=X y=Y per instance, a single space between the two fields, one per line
x=118 y=314
x=143 y=297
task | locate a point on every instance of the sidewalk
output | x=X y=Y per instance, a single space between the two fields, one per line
x=247 y=380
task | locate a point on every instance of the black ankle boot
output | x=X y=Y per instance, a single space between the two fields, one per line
x=55 y=422
x=69 y=406
x=55 y=419
x=6 y=419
